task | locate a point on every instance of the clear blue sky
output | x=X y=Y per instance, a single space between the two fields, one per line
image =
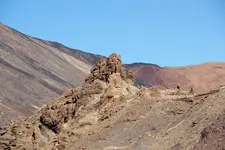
x=165 y=32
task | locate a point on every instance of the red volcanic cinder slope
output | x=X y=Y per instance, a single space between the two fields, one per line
x=145 y=74
x=202 y=78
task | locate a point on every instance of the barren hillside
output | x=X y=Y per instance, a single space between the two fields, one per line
x=109 y=113
x=33 y=72
x=202 y=78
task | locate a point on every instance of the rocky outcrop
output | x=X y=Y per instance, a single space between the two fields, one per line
x=107 y=71
x=36 y=71
x=106 y=67
x=108 y=112
x=108 y=81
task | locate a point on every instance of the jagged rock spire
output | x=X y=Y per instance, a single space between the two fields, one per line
x=106 y=67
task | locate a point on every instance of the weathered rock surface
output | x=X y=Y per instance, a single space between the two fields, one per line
x=106 y=67
x=110 y=113
x=35 y=71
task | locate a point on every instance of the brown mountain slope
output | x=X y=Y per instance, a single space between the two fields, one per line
x=202 y=78
x=33 y=72
x=108 y=113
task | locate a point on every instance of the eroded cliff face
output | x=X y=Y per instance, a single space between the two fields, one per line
x=108 y=112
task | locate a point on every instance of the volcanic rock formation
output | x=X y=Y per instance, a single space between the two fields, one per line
x=108 y=112
x=34 y=71
x=80 y=107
